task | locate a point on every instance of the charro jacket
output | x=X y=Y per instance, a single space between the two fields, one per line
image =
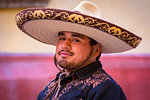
x=88 y=83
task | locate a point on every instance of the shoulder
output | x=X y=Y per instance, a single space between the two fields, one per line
x=46 y=90
x=105 y=88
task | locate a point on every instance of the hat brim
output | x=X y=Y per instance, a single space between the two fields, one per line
x=44 y=24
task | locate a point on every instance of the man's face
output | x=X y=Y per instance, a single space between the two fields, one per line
x=72 y=50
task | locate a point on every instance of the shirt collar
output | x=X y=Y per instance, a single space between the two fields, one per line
x=88 y=70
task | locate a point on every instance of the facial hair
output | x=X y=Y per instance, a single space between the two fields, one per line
x=63 y=63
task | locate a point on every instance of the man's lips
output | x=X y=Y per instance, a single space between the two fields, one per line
x=65 y=53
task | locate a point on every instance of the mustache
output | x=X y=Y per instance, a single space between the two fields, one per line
x=71 y=53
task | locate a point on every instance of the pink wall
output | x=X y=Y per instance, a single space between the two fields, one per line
x=22 y=76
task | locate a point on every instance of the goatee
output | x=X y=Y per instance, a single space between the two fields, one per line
x=64 y=64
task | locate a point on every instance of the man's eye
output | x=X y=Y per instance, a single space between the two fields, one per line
x=62 y=38
x=76 y=40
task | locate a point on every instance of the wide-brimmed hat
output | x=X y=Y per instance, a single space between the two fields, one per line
x=43 y=24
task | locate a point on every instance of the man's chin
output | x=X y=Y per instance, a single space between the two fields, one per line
x=63 y=64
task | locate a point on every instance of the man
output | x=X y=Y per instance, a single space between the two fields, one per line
x=80 y=39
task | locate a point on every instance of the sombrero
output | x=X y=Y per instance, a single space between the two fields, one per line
x=43 y=24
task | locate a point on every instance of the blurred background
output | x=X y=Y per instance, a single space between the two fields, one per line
x=26 y=65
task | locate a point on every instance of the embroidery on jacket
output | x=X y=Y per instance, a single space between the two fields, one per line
x=49 y=87
x=93 y=81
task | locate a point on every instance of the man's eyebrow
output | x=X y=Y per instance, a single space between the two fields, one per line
x=77 y=35
x=60 y=34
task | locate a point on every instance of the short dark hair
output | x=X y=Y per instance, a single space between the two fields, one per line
x=93 y=42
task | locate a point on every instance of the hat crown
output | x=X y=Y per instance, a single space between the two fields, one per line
x=88 y=8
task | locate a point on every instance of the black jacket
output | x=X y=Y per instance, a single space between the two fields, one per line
x=88 y=83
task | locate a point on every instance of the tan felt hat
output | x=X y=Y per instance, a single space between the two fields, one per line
x=43 y=24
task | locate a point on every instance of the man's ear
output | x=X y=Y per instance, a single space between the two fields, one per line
x=99 y=48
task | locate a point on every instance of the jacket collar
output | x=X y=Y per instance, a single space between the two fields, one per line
x=84 y=72
x=88 y=70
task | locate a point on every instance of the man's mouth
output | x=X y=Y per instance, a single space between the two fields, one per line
x=65 y=53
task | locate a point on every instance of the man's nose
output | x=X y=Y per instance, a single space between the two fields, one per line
x=67 y=44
